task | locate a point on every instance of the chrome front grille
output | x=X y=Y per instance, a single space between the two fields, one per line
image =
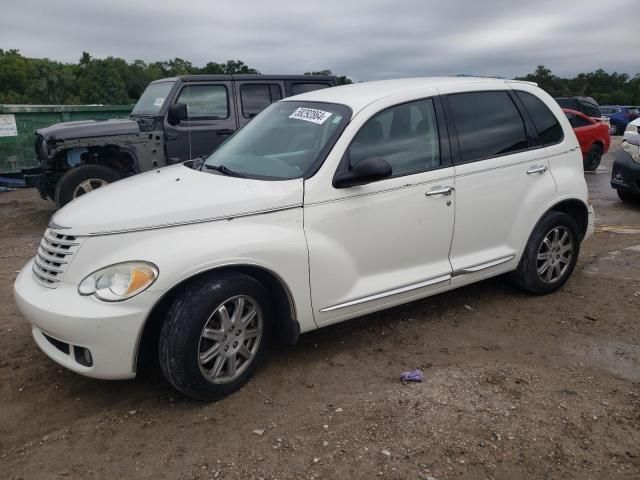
x=54 y=254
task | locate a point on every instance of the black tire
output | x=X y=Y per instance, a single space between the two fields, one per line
x=526 y=276
x=68 y=186
x=181 y=337
x=628 y=197
x=593 y=158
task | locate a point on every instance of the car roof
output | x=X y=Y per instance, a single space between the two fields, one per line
x=359 y=95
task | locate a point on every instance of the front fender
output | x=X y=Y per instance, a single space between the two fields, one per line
x=274 y=242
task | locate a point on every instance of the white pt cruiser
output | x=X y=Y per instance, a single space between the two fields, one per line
x=326 y=206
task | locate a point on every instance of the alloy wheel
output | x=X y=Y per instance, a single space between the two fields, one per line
x=230 y=339
x=88 y=185
x=555 y=254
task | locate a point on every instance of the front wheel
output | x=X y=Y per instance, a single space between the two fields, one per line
x=613 y=129
x=549 y=256
x=215 y=335
x=81 y=180
x=593 y=158
x=628 y=197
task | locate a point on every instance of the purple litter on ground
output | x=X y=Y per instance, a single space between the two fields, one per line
x=412 y=376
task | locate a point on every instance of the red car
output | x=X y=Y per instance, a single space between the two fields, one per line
x=593 y=137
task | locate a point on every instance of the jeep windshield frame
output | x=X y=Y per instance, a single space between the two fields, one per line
x=287 y=140
x=153 y=98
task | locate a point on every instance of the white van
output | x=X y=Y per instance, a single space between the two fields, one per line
x=327 y=206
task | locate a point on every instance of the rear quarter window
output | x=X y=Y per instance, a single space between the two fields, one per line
x=547 y=125
x=298 y=88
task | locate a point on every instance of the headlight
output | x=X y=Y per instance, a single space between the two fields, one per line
x=119 y=282
x=632 y=150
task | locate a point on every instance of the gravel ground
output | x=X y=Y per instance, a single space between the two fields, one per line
x=516 y=386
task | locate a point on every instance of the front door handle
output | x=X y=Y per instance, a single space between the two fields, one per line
x=440 y=191
x=537 y=169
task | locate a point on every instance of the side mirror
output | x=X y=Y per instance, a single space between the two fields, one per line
x=177 y=112
x=367 y=171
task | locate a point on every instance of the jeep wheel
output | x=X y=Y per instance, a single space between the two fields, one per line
x=549 y=256
x=215 y=335
x=81 y=180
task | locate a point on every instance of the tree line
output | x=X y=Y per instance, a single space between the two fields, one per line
x=114 y=81
x=108 y=81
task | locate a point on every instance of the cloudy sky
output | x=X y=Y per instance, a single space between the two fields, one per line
x=365 y=39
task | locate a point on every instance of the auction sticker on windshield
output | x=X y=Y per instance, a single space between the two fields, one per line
x=310 y=115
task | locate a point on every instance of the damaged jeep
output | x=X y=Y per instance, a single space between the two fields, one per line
x=175 y=120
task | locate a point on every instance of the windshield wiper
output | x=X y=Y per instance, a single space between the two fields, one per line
x=224 y=170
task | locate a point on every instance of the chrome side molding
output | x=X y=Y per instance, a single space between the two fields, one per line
x=482 y=266
x=389 y=293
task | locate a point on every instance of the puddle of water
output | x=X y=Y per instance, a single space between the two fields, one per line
x=619 y=358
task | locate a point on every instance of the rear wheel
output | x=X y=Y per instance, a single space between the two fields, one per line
x=82 y=180
x=549 y=256
x=217 y=332
x=613 y=129
x=592 y=159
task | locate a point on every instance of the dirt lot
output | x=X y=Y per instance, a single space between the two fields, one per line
x=516 y=386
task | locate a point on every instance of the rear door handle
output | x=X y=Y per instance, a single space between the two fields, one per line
x=440 y=191
x=537 y=169
x=225 y=131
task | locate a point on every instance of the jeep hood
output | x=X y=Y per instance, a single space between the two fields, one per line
x=173 y=196
x=89 y=128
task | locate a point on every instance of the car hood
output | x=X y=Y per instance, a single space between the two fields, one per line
x=173 y=196
x=89 y=128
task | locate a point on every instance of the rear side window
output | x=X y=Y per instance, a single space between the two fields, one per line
x=406 y=136
x=298 y=88
x=488 y=125
x=577 y=121
x=256 y=97
x=549 y=130
x=205 y=101
x=590 y=110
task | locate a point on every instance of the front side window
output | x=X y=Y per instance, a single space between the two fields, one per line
x=488 y=125
x=406 y=136
x=298 y=88
x=205 y=101
x=549 y=130
x=256 y=97
x=287 y=140
x=152 y=98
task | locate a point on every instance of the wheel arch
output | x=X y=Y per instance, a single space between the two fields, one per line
x=576 y=209
x=287 y=327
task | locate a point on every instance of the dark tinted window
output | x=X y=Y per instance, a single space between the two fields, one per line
x=406 y=136
x=205 y=101
x=255 y=97
x=298 y=88
x=549 y=130
x=577 y=121
x=488 y=124
x=570 y=103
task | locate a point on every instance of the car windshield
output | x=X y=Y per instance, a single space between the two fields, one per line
x=286 y=140
x=152 y=98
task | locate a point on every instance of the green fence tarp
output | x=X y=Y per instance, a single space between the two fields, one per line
x=18 y=124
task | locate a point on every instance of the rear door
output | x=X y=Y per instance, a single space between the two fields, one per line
x=211 y=119
x=502 y=181
x=254 y=96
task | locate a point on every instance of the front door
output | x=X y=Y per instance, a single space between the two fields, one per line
x=386 y=242
x=211 y=119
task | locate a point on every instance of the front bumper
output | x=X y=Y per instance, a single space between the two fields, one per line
x=625 y=174
x=109 y=331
